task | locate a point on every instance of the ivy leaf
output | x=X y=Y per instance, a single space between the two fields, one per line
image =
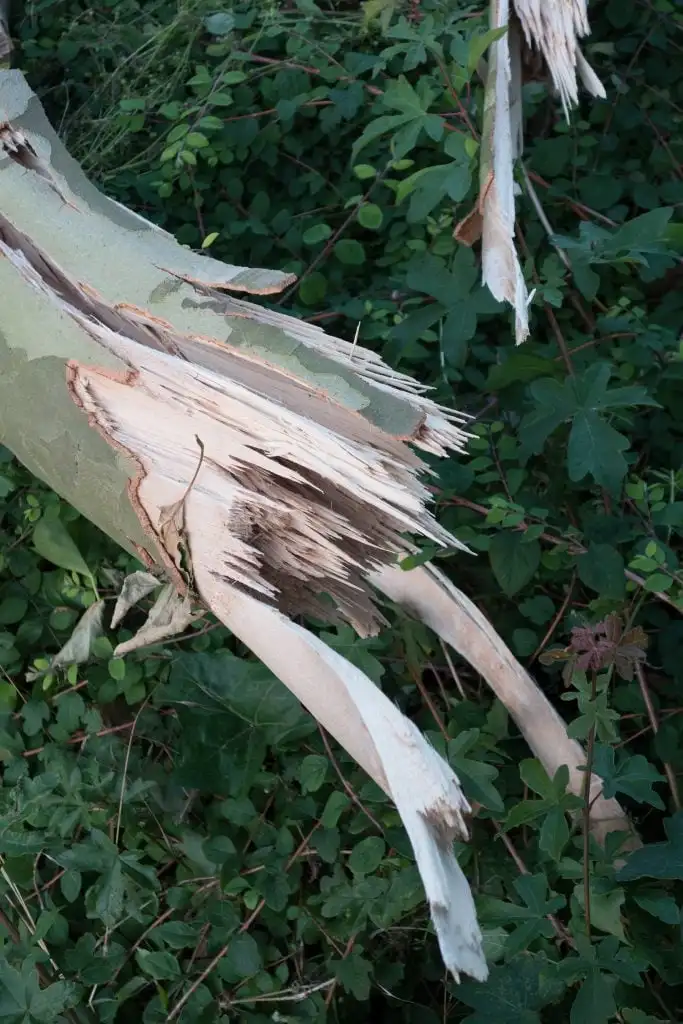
x=658 y=860
x=513 y=560
x=630 y=774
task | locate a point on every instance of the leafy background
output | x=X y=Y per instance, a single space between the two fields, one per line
x=178 y=840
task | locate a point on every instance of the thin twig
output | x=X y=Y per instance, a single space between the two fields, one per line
x=654 y=722
x=287 y=995
x=556 y=620
x=558 y=927
x=345 y=783
x=125 y=770
x=177 y=1009
x=533 y=196
x=451 y=666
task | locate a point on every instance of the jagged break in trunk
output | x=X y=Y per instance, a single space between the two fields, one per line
x=264 y=467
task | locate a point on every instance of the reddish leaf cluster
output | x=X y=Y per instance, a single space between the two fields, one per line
x=594 y=648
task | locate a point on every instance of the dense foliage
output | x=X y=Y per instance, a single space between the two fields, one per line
x=178 y=840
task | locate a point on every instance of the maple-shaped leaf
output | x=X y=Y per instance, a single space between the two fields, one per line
x=596 y=647
x=629 y=774
x=595 y=447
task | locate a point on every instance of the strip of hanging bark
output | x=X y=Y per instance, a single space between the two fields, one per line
x=500 y=147
x=555 y=27
x=389 y=747
x=433 y=599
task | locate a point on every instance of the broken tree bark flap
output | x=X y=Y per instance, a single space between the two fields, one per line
x=554 y=27
x=436 y=601
x=266 y=467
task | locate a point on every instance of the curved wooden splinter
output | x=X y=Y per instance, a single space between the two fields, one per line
x=431 y=597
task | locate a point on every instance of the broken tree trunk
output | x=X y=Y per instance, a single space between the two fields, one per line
x=260 y=465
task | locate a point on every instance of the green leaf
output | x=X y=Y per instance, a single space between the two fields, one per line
x=353 y=973
x=595 y=1000
x=157 y=965
x=312 y=772
x=105 y=897
x=606 y=907
x=554 y=404
x=70 y=885
x=313 y=289
x=601 y=568
x=350 y=251
x=554 y=834
x=513 y=562
x=12 y=993
x=631 y=774
x=406 y=126
x=243 y=959
x=370 y=216
x=337 y=803
x=12 y=610
x=660 y=904
x=177 y=934
x=52 y=541
x=367 y=855
x=658 y=860
x=430 y=185
x=520 y=366
x=514 y=993
x=316 y=234
x=596 y=448
x=476 y=776
x=479 y=44
x=641 y=232
x=47 y=1004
